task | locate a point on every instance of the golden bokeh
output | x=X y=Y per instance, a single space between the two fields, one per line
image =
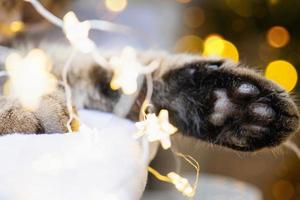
x=116 y=5
x=12 y=28
x=283 y=190
x=29 y=77
x=194 y=17
x=278 y=36
x=16 y=26
x=215 y=45
x=283 y=73
x=190 y=44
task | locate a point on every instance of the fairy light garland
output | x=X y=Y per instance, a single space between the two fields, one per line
x=181 y=184
x=156 y=128
x=126 y=69
x=29 y=77
x=77 y=33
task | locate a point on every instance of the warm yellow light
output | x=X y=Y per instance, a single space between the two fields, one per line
x=181 y=184
x=77 y=33
x=190 y=44
x=278 y=36
x=116 y=5
x=216 y=46
x=194 y=17
x=283 y=73
x=157 y=128
x=29 y=77
x=213 y=46
x=17 y=26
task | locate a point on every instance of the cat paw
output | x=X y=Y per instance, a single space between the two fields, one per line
x=51 y=116
x=250 y=118
x=229 y=105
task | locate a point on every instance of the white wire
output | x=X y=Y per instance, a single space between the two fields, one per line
x=45 y=13
x=68 y=91
x=108 y=26
x=95 y=24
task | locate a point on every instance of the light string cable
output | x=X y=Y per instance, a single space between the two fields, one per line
x=193 y=162
x=101 y=25
x=180 y=183
x=95 y=24
x=68 y=90
x=147 y=102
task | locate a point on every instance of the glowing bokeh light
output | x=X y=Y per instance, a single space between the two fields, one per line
x=194 y=17
x=17 y=26
x=278 y=36
x=214 y=45
x=116 y=5
x=126 y=70
x=11 y=29
x=77 y=33
x=156 y=128
x=283 y=73
x=181 y=184
x=29 y=77
x=190 y=44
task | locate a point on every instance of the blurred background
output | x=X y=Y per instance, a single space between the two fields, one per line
x=264 y=34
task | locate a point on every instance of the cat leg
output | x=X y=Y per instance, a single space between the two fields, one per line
x=51 y=116
x=226 y=104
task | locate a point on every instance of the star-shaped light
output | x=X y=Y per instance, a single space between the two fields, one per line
x=29 y=77
x=157 y=128
x=126 y=70
x=77 y=33
x=181 y=184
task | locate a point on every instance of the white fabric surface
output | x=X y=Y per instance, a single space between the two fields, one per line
x=107 y=164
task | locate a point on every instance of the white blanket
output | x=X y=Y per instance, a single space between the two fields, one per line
x=106 y=164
